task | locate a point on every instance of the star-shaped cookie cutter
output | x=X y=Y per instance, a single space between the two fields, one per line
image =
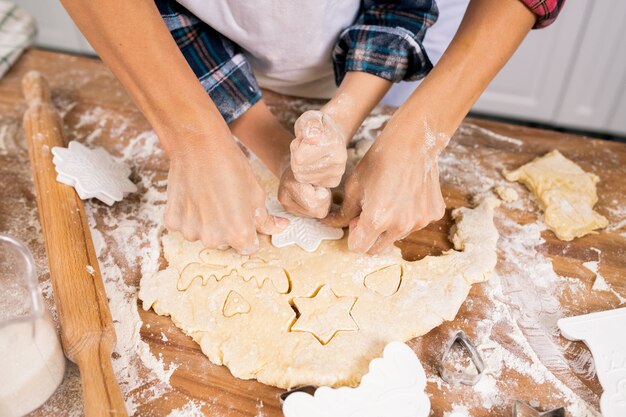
x=521 y=409
x=462 y=376
x=92 y=172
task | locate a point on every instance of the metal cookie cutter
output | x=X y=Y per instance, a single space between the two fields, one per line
x=462 y=376
x=309 y=389
x=521 y=409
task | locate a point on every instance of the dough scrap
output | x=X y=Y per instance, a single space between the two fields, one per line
x=567 y=194
x=506 y=194
x=262 y=343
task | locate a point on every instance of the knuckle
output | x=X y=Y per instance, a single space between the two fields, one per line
x=189 y=234
x=439 y=212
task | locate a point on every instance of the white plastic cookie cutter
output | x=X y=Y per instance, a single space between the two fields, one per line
x=604 y=333
x=92 y=172
x=394 y=386
x=307 y=234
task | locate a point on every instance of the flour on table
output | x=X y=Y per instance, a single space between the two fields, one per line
x=567 y=194
x=287 y=317
x=600 y=284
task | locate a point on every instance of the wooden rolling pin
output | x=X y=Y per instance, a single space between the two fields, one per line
x=86 y=327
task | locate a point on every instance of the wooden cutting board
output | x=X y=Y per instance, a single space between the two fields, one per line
x=83 y=89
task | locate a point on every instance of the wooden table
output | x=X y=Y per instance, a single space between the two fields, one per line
x=515 y=314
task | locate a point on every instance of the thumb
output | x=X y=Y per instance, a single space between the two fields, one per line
x=310 y=127
x=268 y=224
x=350 y=209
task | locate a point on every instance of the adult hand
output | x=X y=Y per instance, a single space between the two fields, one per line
x=318 y=153
x=214 y=196
x=305 y=200
x=393 y=191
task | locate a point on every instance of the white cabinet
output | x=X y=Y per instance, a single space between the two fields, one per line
x=597 y=83
x=571 y=74
x=530 y=84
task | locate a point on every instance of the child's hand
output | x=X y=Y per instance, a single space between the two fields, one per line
x=214 y=196
x=393 y=191
x=303 y=199
x=318 y=153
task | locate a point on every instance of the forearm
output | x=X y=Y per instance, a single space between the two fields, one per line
x=133 y=41
x=263 y=134
x=489 y=34
x=357 y=95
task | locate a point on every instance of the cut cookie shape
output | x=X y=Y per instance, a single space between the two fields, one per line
x=92 y=172
x=567 y=194
x=217 y=267
x=305 y=233
x=394 y=386
x=603 y=333
x=235 y=304
x=385 y=281
x=324 y=314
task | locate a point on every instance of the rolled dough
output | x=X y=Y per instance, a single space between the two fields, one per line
x=566 y=193
x=288 y=317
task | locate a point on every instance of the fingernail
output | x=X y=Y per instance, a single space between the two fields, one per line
x=282 y=222
x=354 y=241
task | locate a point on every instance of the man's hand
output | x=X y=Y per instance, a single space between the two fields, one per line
x=304 y=200
x=214 y=196
x=393 y=191
x=318 y=153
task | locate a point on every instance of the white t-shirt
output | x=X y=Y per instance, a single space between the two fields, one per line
x=288 y=43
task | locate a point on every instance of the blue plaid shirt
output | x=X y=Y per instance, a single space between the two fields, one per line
x=385 y=40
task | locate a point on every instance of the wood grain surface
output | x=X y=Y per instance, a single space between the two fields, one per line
x=474 y=160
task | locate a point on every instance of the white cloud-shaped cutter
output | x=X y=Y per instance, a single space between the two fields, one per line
x=394 y=386
x=92 y=172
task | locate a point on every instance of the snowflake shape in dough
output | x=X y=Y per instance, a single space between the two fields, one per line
x=303 y=232
x=92 y=172
x=324 y=315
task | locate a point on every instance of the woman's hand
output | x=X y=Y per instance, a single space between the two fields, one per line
x=393 y=191
x=318 y=153
x=214 y=196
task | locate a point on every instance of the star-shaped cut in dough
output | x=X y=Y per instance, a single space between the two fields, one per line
x=92 y=172
x=324 y=315
x=305 y=233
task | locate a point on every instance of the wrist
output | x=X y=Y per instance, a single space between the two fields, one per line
x=206 y=142
x=417 y=131
x=357 y=95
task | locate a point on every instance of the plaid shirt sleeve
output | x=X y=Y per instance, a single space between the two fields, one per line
x=386 y=40
x=545 y=10
x=221 y=68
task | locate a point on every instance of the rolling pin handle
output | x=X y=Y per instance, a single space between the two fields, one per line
x=35 y=88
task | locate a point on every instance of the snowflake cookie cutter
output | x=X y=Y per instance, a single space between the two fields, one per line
x=395 y=386
x=303 y=232
x=521 y=409
x=462 y=376
x=93 y=173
